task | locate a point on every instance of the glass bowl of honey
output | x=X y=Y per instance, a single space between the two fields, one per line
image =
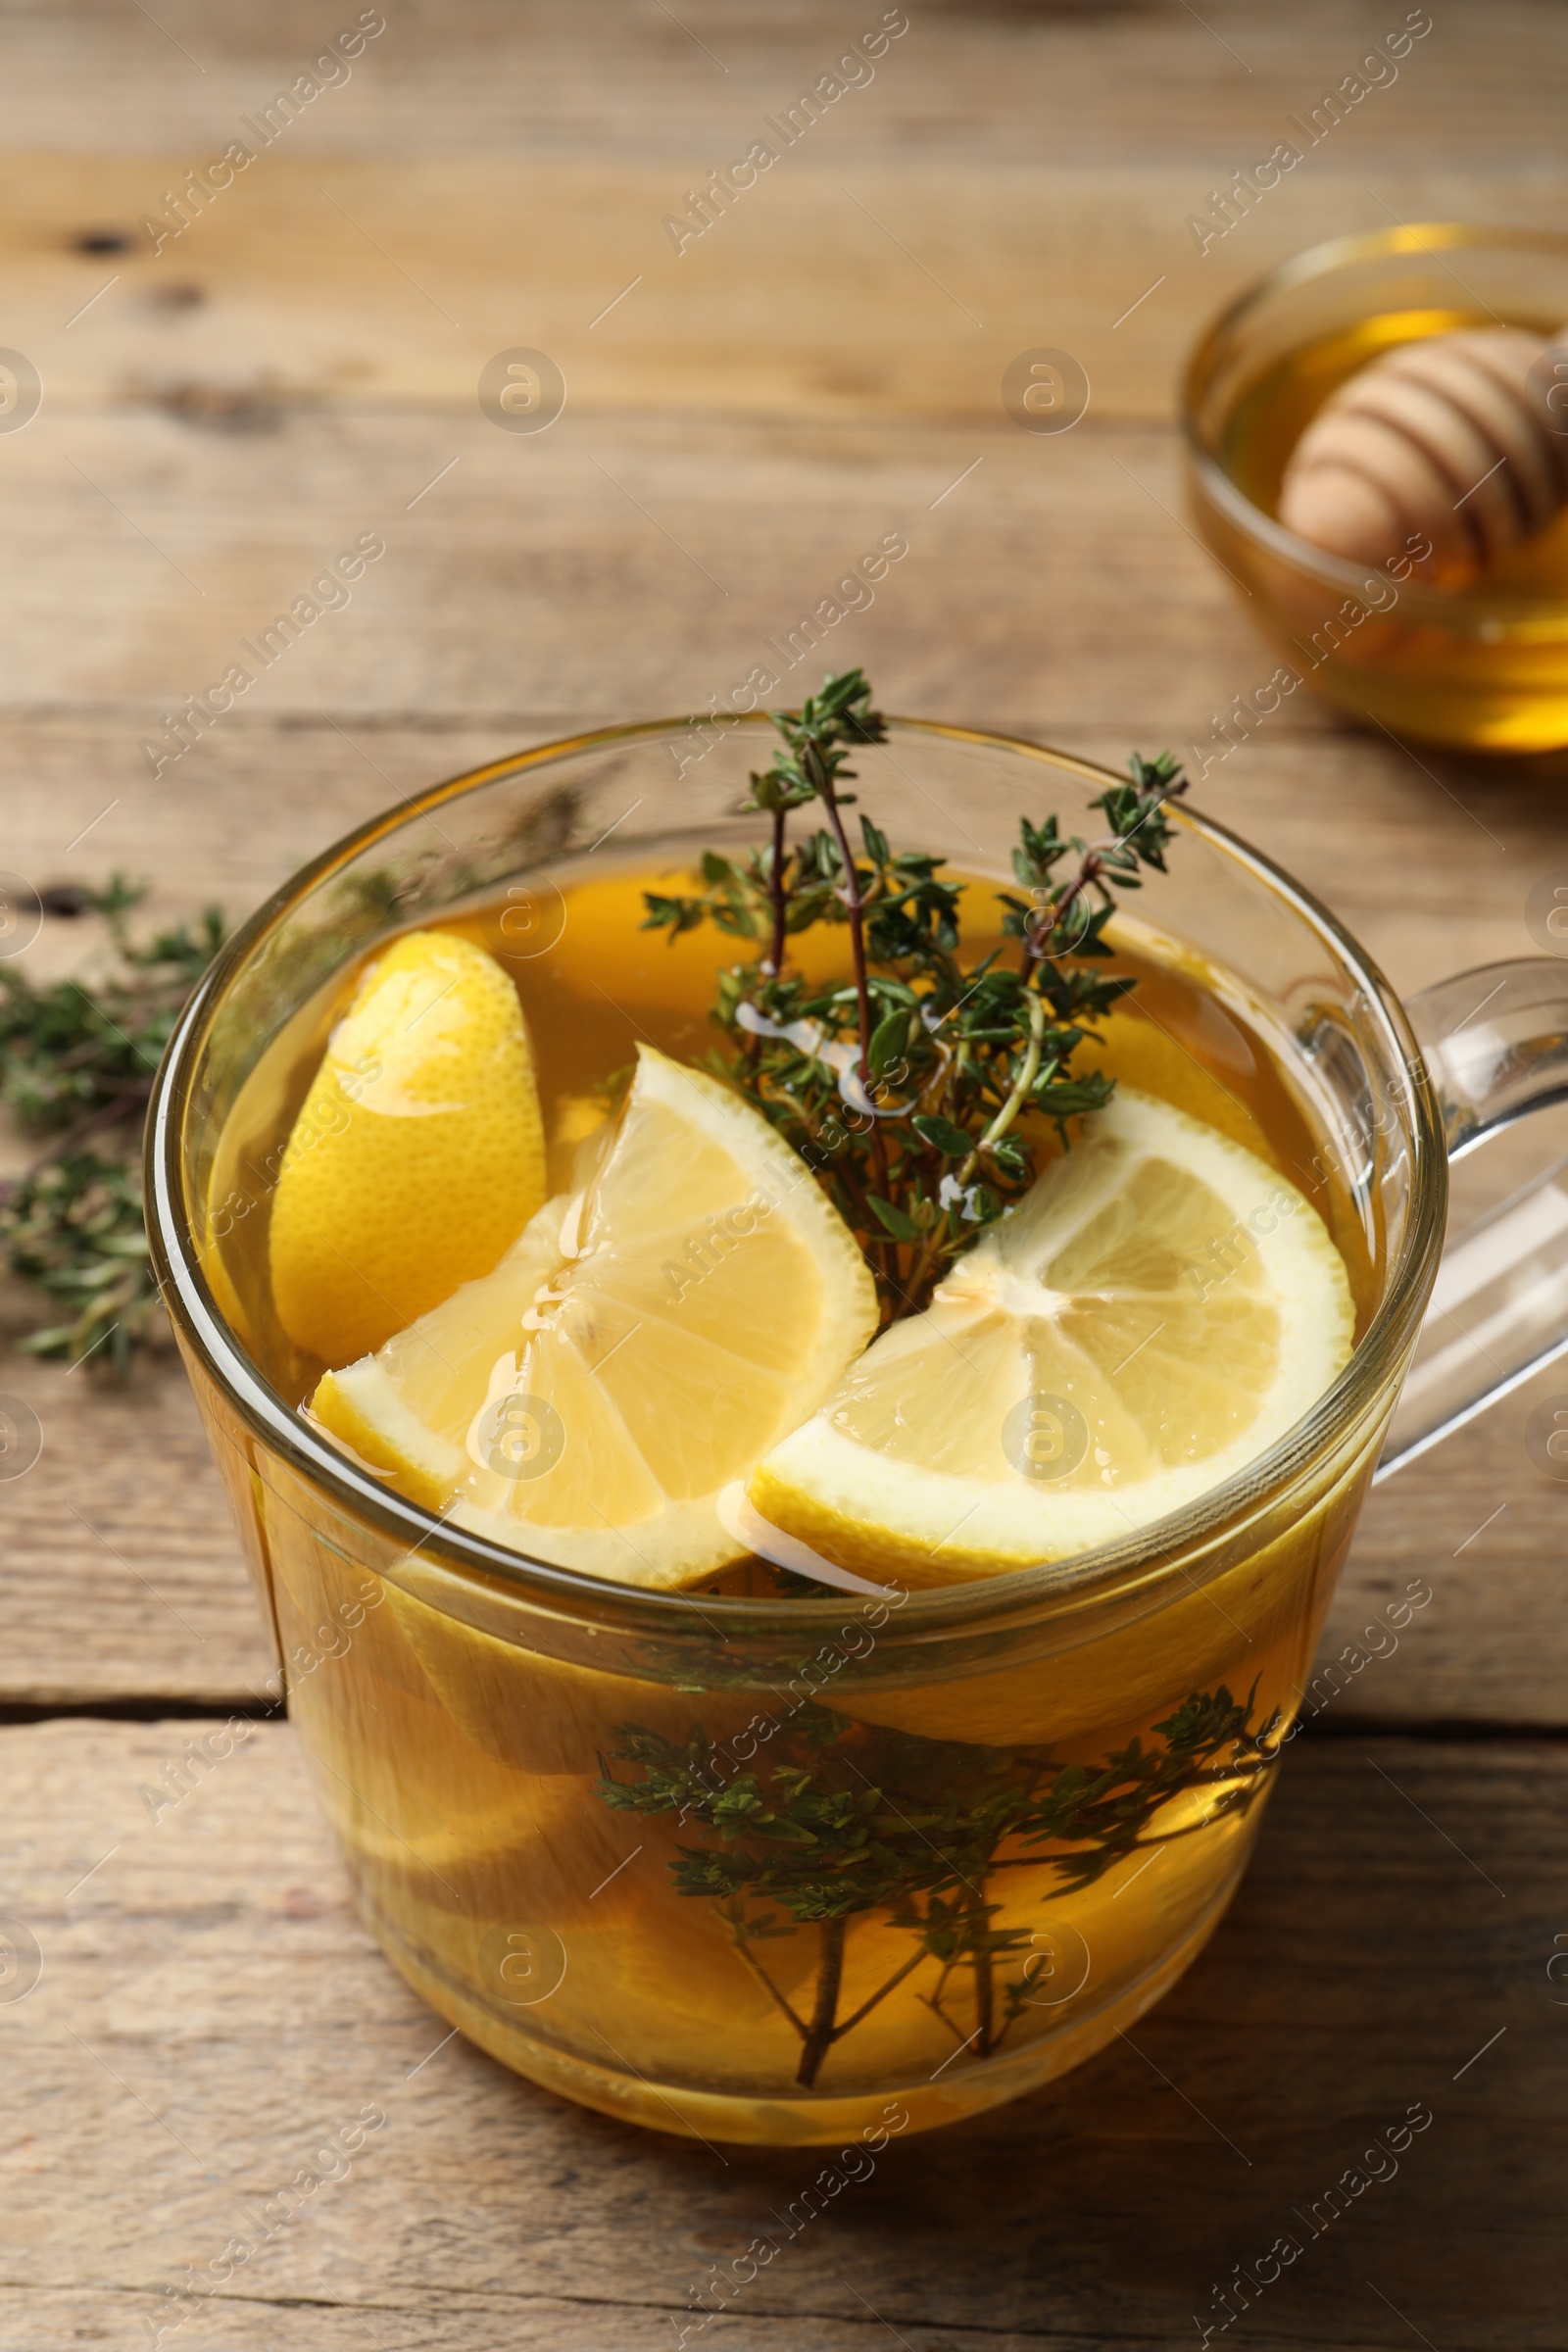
x=1481 y=666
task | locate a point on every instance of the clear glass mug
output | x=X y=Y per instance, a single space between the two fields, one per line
x=792 y=1870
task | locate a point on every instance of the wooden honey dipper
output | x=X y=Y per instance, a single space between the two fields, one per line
x=1450 y=438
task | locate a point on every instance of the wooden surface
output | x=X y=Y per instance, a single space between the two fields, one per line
x=295 y=369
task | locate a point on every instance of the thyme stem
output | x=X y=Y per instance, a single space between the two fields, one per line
x=1022 y=1088
x=107 y=1114
x=850 y=893
x=985 y=1991
x=882 y=1992
x=744 y=1949
x=829 y=1978
x=779 y=893
x=872 y=1819
x=855 y=904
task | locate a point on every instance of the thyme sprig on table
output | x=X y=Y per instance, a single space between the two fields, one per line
x=77 y=1066
x=916 y=1089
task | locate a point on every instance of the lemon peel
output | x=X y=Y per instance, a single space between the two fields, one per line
x=417 y=1155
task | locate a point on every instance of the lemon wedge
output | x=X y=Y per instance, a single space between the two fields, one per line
x=644 y=1342
x=1157 y=1311
x=417 y=1155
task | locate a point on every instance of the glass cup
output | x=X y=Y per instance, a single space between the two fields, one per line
x=1480 y=669
x=797 y=1870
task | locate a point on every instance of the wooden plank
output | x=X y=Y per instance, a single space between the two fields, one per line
x=518 y=76
x=1056 y=590
x=850 y=283
x=534 y=588
x=121 y=1571
x=209 y=2007
x=988 y=189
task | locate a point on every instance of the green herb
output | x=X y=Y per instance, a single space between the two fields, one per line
x=77 y=1063
x=847 y=1818
x=910 y=1090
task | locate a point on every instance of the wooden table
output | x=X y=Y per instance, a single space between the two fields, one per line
x=298 y=367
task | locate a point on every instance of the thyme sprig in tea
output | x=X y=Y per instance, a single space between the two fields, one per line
x=845 y=1818
x=907 y=1088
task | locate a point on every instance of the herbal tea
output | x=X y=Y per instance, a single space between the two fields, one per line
x=767 y=1227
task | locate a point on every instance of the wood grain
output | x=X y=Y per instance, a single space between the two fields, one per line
x=1091 y=85
x=209 y=2008
x=1056 y=590
x=350 y=281
x=122 y=1576
x=1026 y=173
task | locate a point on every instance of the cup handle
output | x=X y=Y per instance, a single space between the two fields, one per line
x=1496 y=1044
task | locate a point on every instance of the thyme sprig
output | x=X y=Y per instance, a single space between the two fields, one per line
x=76 y=1066
x=845 y=1819
x=919 y=1089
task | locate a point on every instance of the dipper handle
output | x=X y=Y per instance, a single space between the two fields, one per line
x=1450 y=438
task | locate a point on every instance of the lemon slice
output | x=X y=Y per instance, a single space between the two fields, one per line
x=1158 y=1310
x=642 y=1344
x=417 y=1155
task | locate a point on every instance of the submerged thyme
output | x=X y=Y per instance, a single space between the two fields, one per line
x=847 y=1818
